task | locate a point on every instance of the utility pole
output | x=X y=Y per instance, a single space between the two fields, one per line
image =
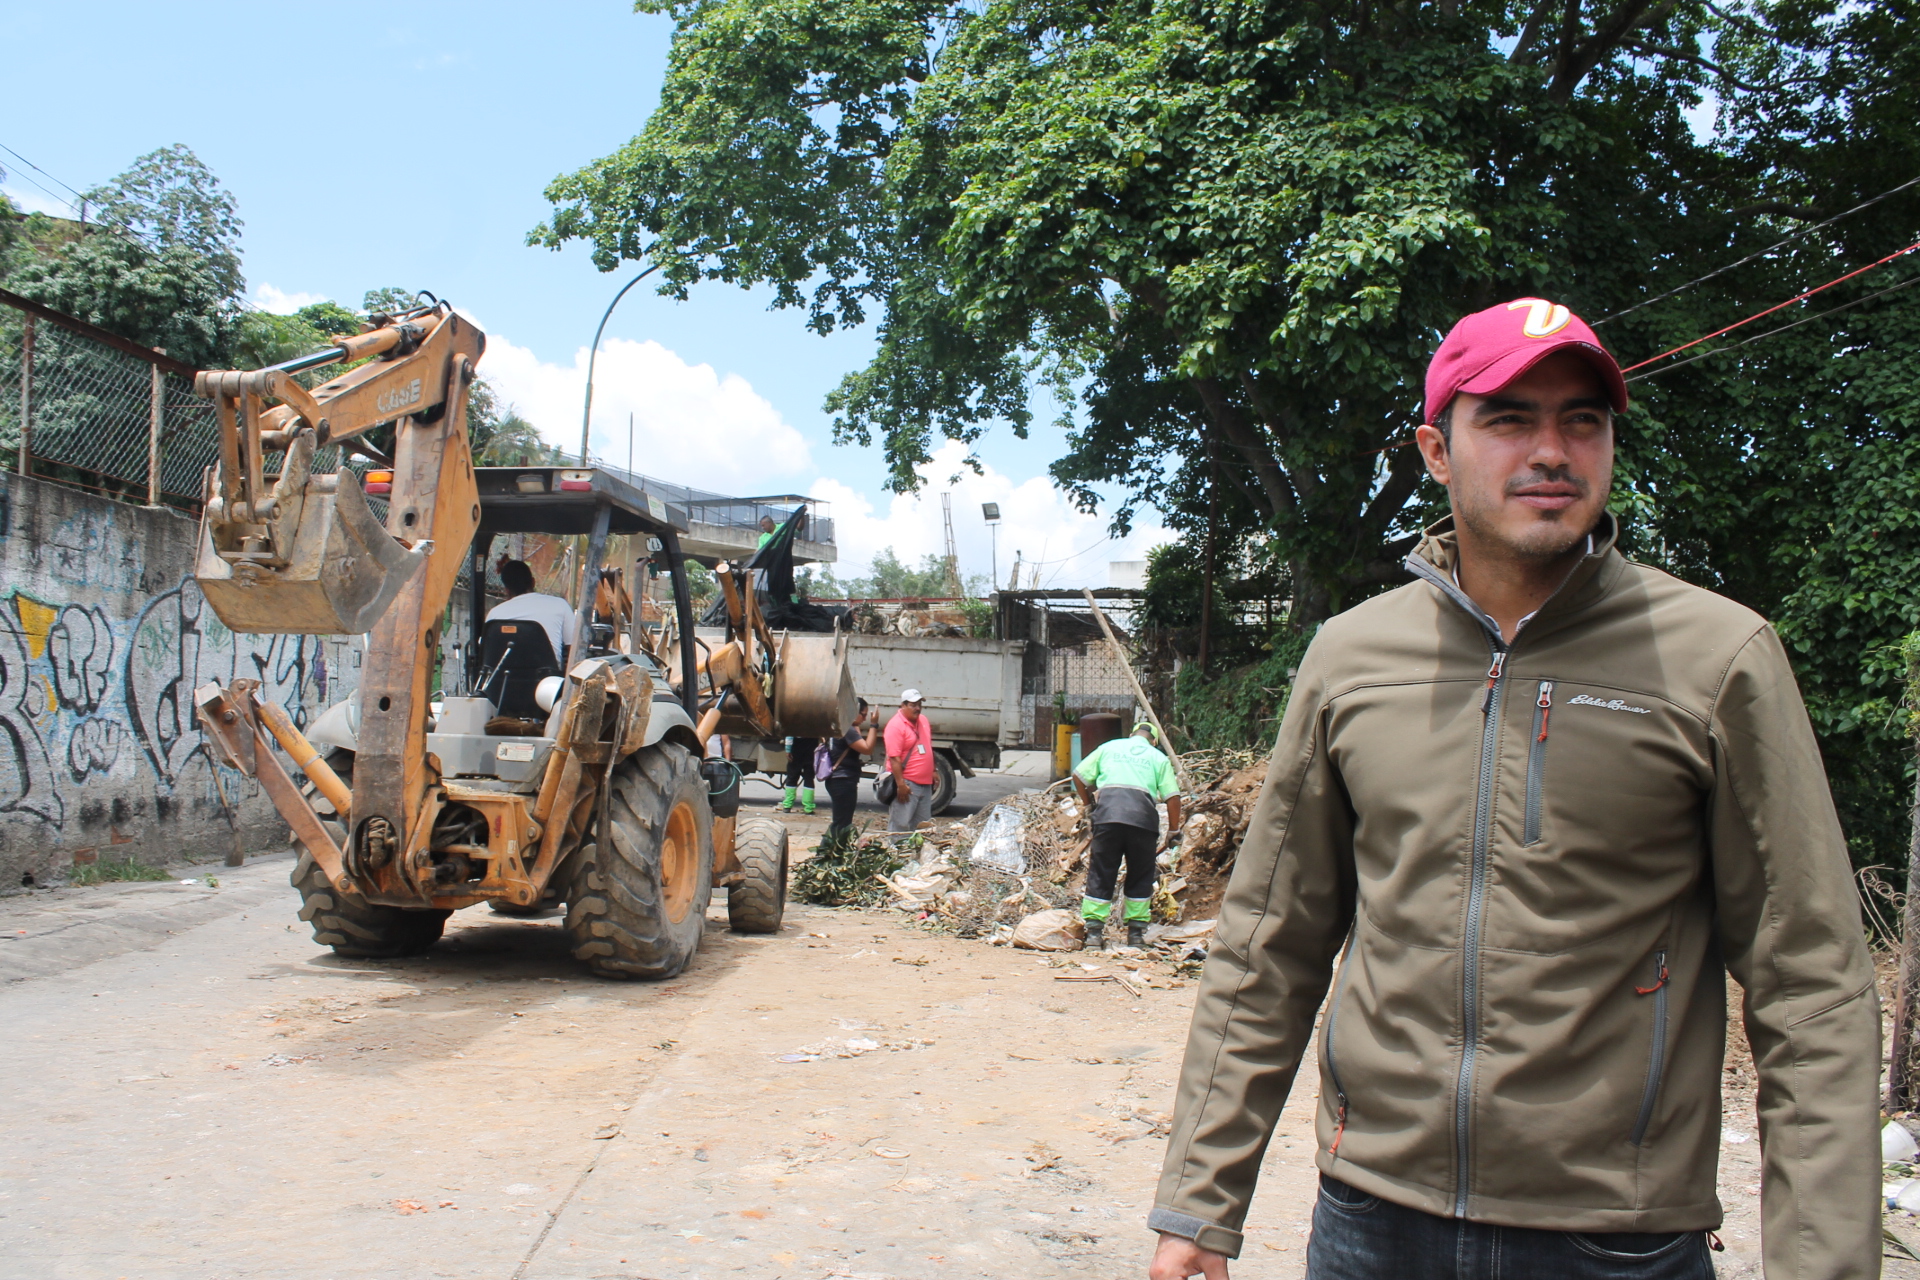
x=953 y=553
x=991 y=512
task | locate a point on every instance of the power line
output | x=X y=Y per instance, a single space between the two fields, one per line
x=242 y=300
x=1897 y=253
x=37 y=169
x=1654 y=373
x=1661 y=297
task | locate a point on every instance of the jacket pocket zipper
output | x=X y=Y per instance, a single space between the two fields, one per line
x=1326 y=1036
x=1657 y=1055
x=1537 y=760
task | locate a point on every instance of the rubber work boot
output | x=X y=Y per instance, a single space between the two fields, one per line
x=786 y=803
x=1136 y=934
x=806 y=801
x=1096 y=935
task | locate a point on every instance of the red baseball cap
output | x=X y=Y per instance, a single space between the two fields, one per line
x=1488 y=349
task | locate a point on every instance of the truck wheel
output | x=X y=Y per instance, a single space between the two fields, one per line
x=637 y=896
x=351 y=925
x=944 y=784
x=757 y=903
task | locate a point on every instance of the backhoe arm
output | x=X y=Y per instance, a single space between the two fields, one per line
x=307 y=556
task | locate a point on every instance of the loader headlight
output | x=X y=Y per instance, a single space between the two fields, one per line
x=547 y=692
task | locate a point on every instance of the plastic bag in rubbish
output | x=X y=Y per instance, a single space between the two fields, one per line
x=1002 y=841
x=1192 y=931
x=919 y=884
x=1904 y=1194
x=1054 y=930
x=1896 y=1144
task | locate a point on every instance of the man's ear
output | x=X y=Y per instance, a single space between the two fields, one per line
x=1433 y=450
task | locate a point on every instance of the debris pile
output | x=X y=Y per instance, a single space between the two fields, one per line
x=1014 y=872
x=847 y=873
x=1225 y=786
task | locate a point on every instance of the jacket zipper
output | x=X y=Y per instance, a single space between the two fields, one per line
x=1537 y=759
x=1657 y=1055
x=1476 y=905
x=1326 y=1040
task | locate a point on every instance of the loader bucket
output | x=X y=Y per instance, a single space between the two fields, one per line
x=343 y=570
x=813 y=686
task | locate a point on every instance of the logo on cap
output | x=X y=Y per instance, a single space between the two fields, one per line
x=1544 y=319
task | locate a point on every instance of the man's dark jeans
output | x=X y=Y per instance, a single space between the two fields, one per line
x=1361 y=1237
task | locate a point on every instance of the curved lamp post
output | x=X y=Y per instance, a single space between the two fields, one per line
x=586 y=410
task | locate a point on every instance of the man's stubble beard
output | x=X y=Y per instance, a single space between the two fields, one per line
x=1549 y=539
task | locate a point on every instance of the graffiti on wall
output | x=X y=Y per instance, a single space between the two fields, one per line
x=88 y=699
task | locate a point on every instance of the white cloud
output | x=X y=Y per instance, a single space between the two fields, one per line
x=691 y=425
x=1069 y=547
x=696 y=426
x=280 y=303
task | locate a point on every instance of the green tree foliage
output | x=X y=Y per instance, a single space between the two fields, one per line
x=390 y=301
x=500 y=437
x=161 y=266
x=890 y=579
x=1211 y=227
x=1229 y=235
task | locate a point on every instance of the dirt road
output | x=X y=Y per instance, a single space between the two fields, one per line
x=196 y=1091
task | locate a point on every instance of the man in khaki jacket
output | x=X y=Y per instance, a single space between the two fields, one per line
x=1535 y=803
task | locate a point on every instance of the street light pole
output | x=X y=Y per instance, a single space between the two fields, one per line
x=991 y=512
x=586 y=409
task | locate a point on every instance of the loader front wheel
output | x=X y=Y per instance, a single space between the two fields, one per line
x=757 y=903
x=354 y=927
x=637 y=895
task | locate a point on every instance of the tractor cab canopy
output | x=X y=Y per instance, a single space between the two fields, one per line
x=586 y=501
x=570 y=500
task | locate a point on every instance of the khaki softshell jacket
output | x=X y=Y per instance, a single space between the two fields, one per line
x=1540 y=860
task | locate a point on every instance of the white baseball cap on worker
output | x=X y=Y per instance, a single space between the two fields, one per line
x=911 y=695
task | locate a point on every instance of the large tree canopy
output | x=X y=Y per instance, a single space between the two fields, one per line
x=160 y=262
x=1221 y=229
x=1227 y=236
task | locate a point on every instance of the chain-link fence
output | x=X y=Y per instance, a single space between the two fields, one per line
x=98 y=414
x=103 y=414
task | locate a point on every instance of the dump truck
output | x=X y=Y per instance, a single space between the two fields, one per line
x=973 y=699
x=536 y=779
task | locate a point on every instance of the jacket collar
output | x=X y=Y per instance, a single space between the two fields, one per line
x=1437 y=555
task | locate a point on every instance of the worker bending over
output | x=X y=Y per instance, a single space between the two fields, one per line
x=1121 y=780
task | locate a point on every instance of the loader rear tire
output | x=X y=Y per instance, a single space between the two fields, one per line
x=637 y=895
x=757 y=903
x=354 y=927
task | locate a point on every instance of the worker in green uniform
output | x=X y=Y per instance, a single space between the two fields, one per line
x=1122 y=780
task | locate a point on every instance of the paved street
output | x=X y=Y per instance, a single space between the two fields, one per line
x=197 y=1092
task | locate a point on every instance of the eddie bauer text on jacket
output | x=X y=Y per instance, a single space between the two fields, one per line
x=1539 y=858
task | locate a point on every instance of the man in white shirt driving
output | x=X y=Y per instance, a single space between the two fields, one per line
x=523 y=603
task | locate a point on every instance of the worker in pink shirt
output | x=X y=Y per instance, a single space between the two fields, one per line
x=909 y=739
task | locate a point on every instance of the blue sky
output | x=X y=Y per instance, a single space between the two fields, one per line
x=409 y=146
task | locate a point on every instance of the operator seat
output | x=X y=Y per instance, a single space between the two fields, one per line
x=515 y=656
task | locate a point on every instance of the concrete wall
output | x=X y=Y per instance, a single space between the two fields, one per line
x=103 y=638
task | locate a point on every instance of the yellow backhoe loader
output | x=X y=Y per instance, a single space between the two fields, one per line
x=535 y=778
